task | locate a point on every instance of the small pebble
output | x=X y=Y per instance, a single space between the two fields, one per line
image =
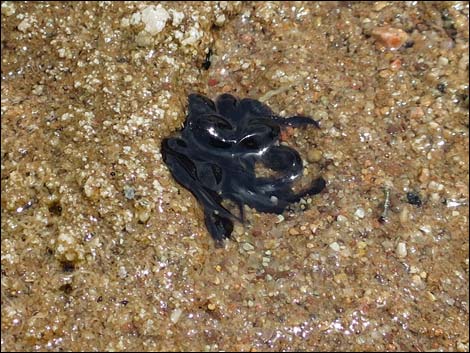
x=129 y=192
x=314 y=156
x=313 y=228
x=248 y=247
x=389 y=37
x=416 y=112
x=413 y=198
x=143 y=39
x=334 y=246
x=462 y=347
x=424 y=175
x=401 y=250
x=417 y=281
x=435 y=186
x=8 y=8
x=143 y=216
x=175 y=315
x=280 y=218
x=360 y=213
x=404 y=215
x=293 y=231
x=395 y=65
x=441 y=87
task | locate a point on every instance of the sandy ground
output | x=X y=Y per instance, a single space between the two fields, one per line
x=102 y=250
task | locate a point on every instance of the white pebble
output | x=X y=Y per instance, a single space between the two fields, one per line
x=401 y=250
x=443 y=61
x=175 y=315
x=155 y=18
x=334 y=246
x=135 y=18
x=219 y=21
x=122 y=272
x=426 y=229
x=360 y=213
x=24 y=25
x=435 y=186
x=177 y=17
x=8 y=8
x=248 y=247
x=194 y=34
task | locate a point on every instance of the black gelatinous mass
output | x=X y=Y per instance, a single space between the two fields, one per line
x=215 y=155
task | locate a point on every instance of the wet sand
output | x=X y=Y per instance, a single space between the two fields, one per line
x=102 y=250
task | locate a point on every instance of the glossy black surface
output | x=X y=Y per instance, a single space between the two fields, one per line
x=215 y=155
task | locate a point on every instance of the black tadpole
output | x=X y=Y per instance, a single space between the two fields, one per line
x=215 y=153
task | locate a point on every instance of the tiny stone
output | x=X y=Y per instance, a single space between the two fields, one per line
x=414 y=199
x=238 y=229
x=280 y=218
x=362 y=245
x=443 y=61
x=155 y=18
x=314 y=156
x=293 y=231
x=426 y=229
x=248 y=247
x=211 y=306
x=122 y=272
x=424 y=175
x=416 y=113
x=143 y=39
x=144 y=216
x=24 y=25
x=401 y=250
x=38 y=90
x=431 y=296
x=404 y=215
x=389 y=37
x=435 y=186
x=8 y=8
x=219 y=21
x=129 y=192
x=313 y=228
x=360 y=213
x=462 y=347
x=341 y=219
x=334 y=246
x=417 y=281
x=175 y=315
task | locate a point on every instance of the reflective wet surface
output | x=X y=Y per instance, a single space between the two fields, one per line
x=103 y=250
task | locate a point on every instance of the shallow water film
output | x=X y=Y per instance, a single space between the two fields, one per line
x=102 y=249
